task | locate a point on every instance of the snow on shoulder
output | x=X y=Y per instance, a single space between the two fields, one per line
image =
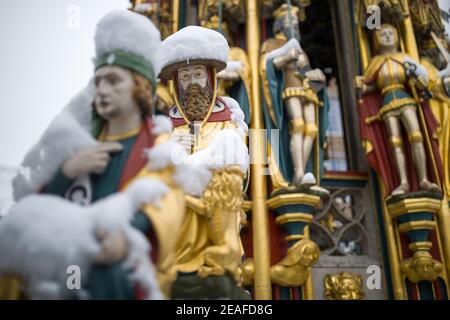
x=67 y=133
x=237 y=115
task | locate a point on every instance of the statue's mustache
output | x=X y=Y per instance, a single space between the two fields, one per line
x=196 y=102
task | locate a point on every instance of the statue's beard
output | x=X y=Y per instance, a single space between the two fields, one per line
x=196 y=102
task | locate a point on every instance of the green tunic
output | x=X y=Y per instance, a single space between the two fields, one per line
x=111 y=281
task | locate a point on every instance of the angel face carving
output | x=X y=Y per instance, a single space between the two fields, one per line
x=421 y=267
x=343 y=286
x=310 y=254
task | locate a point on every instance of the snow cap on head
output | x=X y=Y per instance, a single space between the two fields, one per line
x=194 y=44
x=130 y=40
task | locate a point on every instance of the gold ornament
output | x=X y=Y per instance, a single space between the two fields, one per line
x=343 y=286
x=223 y=202
x=421 y=267
x=294 y=269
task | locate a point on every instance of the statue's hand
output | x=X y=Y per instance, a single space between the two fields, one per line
x=90 y=160
x=316 y=75
x=293 y=54
x=285 y=58
x=114 y=247
x=302 y=60
x=422 y=82
x=232 y=75
x=360 y=86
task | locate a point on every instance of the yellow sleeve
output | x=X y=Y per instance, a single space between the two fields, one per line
x=166 y=220
x=372 y=69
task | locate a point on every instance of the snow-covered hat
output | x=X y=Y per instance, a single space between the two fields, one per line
x=191 y=45
x=130 y=40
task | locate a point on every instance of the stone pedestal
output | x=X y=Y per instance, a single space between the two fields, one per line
x=415 y=216
x=294 y=211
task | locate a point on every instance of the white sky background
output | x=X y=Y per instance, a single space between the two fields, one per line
x=445 y=5
x=45 y=59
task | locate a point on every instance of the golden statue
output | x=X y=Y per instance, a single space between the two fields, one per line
x=212 y=129
x=158 y=12
x=293 y=270
x=343 y=286
x=233 y=9
x=421 y=267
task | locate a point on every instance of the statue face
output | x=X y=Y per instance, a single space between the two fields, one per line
x=310 y=256
x=196 y=93
x=195 y=74
x=387 y=37
x=295 y=27
x=114 y=92
x=425 y=267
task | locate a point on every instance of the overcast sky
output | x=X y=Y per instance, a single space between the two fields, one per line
x=445 y=5
x=45 y=59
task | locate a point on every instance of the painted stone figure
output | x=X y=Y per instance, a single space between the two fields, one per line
x=397 y=80
x=115 y=118
x=212 y=129
x=291 y=100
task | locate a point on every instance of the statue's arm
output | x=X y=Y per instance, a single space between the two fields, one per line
x=364 y=86
x=281 y=61
x=367 y=83
x=231 y=72
x=281 y=56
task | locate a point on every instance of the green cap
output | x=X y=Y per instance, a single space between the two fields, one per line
x=130 y=61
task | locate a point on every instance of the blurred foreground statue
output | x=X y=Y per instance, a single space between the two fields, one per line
x=103 y=141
